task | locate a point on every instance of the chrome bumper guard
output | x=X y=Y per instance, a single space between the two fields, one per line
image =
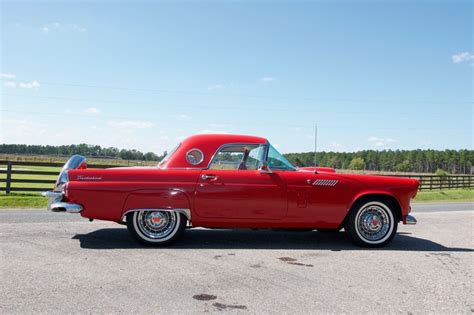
x=409 y=219
x=56 y=204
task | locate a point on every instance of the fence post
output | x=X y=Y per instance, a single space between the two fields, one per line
x=9 y=177
x=431 y=182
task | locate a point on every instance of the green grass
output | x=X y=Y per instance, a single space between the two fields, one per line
x=445 y=195
x=18 y=201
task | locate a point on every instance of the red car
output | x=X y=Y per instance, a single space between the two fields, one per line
x=234 y=181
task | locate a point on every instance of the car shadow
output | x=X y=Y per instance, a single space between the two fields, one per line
x=119 y=238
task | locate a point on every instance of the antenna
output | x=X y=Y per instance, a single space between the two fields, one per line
x=315 y=143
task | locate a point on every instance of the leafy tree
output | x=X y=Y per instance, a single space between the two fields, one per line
x=357 y=163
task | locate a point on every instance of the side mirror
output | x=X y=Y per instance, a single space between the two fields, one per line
x=265 y=169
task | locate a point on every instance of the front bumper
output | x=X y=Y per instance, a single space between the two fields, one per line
x=56 y=204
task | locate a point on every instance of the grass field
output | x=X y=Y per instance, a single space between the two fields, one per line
x=18 y=201
x=22 y=201
x=445 y=195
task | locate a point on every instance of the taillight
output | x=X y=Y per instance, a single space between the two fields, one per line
x=65 y=189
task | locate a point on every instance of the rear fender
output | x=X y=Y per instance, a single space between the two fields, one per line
x=162 y=199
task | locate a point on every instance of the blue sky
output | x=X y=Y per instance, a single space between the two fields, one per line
x=371 y=74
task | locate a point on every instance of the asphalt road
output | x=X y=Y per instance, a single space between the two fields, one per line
x=58 y=263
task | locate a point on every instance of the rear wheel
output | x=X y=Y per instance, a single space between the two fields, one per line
x=372 y=223
x=155 y=228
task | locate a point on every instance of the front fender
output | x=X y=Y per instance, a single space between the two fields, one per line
x=403 y=204
x=157 y=199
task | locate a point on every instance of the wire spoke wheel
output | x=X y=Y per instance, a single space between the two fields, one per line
x=153 y=227
x=372 y=223
x=156 y=224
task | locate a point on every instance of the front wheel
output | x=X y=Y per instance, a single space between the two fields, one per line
x=155 y=228
x=371 y=223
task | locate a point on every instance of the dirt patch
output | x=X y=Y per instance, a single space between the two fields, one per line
x=221 y=306
x=204 y=297
x=300 y=264
x=287 y=259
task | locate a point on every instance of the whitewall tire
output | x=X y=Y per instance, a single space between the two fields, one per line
x=156 y=228
x=372 y=223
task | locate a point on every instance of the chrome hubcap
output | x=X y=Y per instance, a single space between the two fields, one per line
x=156 y=224
x=373 y=222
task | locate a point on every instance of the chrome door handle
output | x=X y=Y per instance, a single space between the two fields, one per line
x=209 y=177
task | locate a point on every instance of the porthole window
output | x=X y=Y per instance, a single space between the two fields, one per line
x=194 y=156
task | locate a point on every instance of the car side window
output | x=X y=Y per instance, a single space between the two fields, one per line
x=238 y=157
x=277 y=161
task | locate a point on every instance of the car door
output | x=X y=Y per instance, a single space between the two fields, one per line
x=318 y=198
x=233 y=187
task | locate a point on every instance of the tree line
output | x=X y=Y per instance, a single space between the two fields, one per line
x=420 y=161
x=87 y=150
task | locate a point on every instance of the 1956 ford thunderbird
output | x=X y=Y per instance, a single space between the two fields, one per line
x=234 y=181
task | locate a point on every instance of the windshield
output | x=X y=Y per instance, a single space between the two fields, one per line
x=277 y=161
x=168 y=155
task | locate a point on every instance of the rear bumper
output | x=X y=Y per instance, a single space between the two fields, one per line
x=409 y=219
x=56 y=204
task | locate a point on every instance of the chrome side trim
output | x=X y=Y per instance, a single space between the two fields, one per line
x=409 y=219
x=65 y=206
x=185 y=212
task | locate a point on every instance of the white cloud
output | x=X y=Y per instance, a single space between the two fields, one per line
x=380 y=142
x=462 y=57
x=10 y=84
x=7 y=76
x=29 y=85
x=21 y=131
x=56 y=26
x=92 y=111
x=131 y=124
x=267 y=79
x=215 y=87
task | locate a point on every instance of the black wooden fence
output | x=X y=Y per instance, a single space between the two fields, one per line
x=434 y=182
x=10 y=168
